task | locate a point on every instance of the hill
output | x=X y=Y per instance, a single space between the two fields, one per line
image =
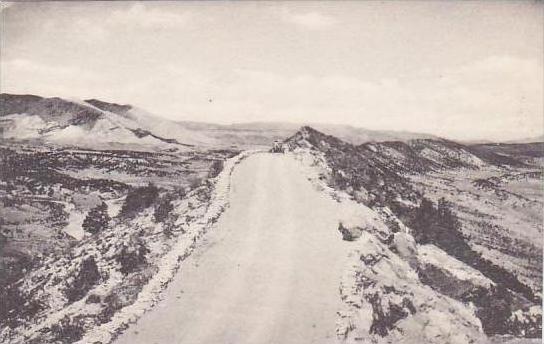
x=94 y=123
x=480 y=206
x=91 y=123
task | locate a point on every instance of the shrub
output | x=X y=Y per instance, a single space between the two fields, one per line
x=349 y=233
x=93 y=299
x=194 y=182
x=163 y=209
x=112 y=303
x=86 y=278
x=180 y=192
x=132 y=258
x=439 y=225
x=11 y=301
x=3 y=239
x=385 y=318
x=215 y=168
x=97 y=219
x=139 y=199
x=494 y=309
x=68 y=330
x=393 y=225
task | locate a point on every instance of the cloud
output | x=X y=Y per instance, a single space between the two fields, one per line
x=499 y=97
x=26 y=76
x=26 y=68
x=309 y=20
x=138 y=15
x=5 y=5
x=496 y=98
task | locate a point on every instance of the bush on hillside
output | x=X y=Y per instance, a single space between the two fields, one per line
x=15 y=307
x=194 y=182
x=132 y=257
x=87 y=276
x=68 y=330
x=215 y=168
x=179 y=193
x=163 y=209
x=97 y=219
x=139 y=199
x=438 y=225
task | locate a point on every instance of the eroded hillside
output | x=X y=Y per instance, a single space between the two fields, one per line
x=81 y=243
x=92 y=223
x=460 y=251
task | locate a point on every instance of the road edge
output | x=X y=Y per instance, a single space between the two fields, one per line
x=151 y=293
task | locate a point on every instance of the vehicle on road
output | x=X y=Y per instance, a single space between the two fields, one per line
x=277 y=147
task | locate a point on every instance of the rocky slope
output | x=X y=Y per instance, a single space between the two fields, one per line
x=98 y=203
x=454 y=254
x=86 y=283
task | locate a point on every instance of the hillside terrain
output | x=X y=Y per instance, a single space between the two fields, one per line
x=91 y=124
x=434 y=241
x=85 y=232
x=464 y=221
x=92 y=204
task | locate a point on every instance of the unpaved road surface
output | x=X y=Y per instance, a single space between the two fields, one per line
x=268 y=272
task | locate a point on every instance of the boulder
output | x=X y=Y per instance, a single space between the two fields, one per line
x=349 y=233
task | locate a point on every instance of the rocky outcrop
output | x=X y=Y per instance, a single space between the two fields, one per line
x=386 y=302
x=418 y=267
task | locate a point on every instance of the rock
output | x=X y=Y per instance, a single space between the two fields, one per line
x=405 y=246
x=351 y=233
x=526 y=322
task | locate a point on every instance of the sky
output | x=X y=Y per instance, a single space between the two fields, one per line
x=463 y=70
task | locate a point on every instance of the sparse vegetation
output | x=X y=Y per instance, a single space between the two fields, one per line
x=349 y=234
x=215 y=168
x=194 y=182
x=87 y=277
x=42 y=184
x=385 y=318
x=383 y=174
x=132 y=257
x=97 y=219
x=139 y=199
x=163 y=209
x=438 y=225
x=15 y=307
x=68 y=330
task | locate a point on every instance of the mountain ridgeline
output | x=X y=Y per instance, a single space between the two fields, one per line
x=378 y=172
x=94 y=123
x=447 y=195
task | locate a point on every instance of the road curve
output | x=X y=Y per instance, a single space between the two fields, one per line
x=268 y=271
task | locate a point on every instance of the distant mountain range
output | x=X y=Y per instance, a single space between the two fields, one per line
x=539 y=138
x=94 y=123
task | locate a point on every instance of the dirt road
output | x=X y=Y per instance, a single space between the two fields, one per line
x=268 y=272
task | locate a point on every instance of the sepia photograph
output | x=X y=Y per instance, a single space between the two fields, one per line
x=271 y=172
